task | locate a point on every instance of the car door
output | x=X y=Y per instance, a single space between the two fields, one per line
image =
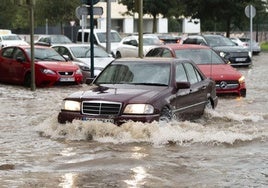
x=130 y=48
x=19 y=65
x=198 y=89
x=6 y=59
x=183 y=95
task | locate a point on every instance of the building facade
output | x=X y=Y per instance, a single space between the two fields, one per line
x=125 y=23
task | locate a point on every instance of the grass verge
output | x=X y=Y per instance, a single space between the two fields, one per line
x=264 y=46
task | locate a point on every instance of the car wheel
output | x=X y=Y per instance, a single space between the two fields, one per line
x=209 y=104
x=243 y=93
x=166 y=115
x=27 y=80
x=118 y=55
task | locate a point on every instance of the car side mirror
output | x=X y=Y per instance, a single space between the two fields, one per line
x=20 y=59
x=66 y=57
x=183 y=85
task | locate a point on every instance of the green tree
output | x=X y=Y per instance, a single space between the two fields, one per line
x=55 y=11
x=153 y=8
x=220 y=15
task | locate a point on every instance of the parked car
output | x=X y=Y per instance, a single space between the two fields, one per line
x=167 y=39
x=227 y=78
x=129 y=46
x=142 y=89
x=99 y=38
x=49 y=40
x=245 y=43
x=81 y=53
x=50 y=67
x=10 y=40
x=237 y=55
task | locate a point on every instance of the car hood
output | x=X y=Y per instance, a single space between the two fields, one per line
x=14 y=42
x=129 y=94
x=100 y=62
x=58 y=65
x=220 y=72
x=230 y=48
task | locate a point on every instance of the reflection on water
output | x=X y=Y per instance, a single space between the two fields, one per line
x=67 y=180
x=139 y=174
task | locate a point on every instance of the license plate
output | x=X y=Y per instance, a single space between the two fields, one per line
x=71 y=79
x=240 y=59
x=98 y=119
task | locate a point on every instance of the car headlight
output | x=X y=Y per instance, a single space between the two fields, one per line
x=78 y=71
x=139 y=109
x=241 y=79
x=223 y=54
x=71 y=105
x=47 y=71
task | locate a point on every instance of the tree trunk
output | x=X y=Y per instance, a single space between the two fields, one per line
x=228 y=26
x=154 y=24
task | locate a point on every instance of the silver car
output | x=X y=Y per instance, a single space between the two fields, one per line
x=80 y=53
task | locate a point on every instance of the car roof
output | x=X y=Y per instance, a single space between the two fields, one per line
x=150 y=60
x=72 y=45
x=184 y=46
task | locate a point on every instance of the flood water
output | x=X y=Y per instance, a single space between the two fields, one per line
x=227 y=147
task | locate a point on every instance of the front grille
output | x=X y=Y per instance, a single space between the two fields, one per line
x=239 y=54
x=63 y=73
x=227 y=84
x=100 y=108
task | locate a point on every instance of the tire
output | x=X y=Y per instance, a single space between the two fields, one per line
x=209 y=104
x=27 y=80
x=118 y=55
x=166 y=115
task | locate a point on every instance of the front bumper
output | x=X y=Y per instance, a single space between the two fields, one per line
x=67 y=116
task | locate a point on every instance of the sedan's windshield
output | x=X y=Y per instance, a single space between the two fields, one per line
x=84 y=52
x=200 y=56
x=115 y=37
x=11 y=37
x=214 y=41
x=45 y=54
x=135 y=73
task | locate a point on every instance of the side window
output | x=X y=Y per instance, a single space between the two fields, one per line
x=65 y=51
x=18 y=54
x=166 y=53
x=7 y=53
x=180 y=73
x=192 y=73
x=156 y=52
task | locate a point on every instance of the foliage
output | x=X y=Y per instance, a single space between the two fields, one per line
x=264 y=46
x=215 y=15
x=222 y=14
x=55 y=11
x=153 y=8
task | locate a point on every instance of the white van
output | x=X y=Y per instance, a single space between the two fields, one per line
x=100 y=38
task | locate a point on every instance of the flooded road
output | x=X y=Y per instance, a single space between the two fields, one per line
x=227 y=147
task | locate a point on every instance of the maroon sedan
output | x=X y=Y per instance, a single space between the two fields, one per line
x=228 y=79
x=144 y=90
x=50 y=67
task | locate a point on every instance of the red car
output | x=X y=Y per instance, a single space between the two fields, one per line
x=227 y=78
x=50 y=67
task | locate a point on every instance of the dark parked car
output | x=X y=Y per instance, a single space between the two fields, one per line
x=144 y=90
x=237 y=55
x=227 y=78
x=50 y=67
